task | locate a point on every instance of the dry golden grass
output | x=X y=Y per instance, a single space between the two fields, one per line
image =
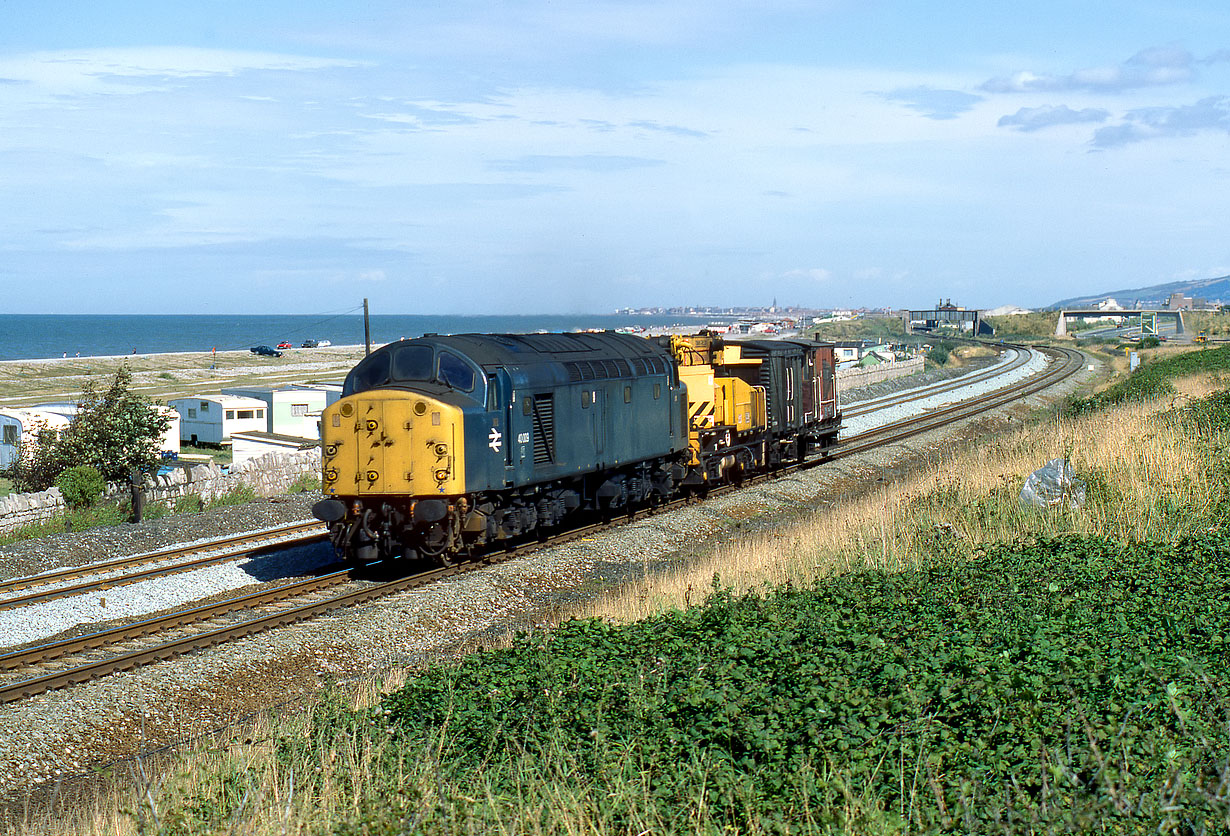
x=1131 y=457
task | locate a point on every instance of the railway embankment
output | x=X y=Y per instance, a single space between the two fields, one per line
x=919 y=653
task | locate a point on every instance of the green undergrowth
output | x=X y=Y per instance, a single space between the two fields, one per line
x=1153 y=379
x=1062 y=685
x=76 y=519
x=238 y=495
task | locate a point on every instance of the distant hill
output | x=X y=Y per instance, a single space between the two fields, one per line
x=1214 y=290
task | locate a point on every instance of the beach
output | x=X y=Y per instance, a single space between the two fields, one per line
x=24 y=383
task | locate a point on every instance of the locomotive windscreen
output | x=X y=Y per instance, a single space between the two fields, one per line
x=410 y=364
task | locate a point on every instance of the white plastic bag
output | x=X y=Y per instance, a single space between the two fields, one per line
x=1052 y=484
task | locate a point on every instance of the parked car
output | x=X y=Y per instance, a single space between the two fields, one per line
x=316 y=343
x=265 y=351
x=285 y=344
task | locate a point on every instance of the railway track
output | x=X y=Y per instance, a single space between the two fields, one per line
x=1023 y=356
x=77 y=661
x=139 y=567
x=1068 y=362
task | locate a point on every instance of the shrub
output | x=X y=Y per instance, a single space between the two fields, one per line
x=81 y=486
x=938 y=355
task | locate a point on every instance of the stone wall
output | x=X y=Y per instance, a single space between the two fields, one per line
x=267 y=475
x=18 y=509
x=866 y=375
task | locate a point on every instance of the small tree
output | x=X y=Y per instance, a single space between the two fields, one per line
x=114 y=431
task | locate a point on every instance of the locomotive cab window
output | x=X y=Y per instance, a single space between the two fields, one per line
x=413 y=362
x=627 y=394
x=372 y=372
x=455 y=372
x=586 y=399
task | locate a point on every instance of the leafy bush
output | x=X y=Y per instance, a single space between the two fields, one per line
x=1045 y=687
x=81 y=485
x=940 y=352
x=115 y=431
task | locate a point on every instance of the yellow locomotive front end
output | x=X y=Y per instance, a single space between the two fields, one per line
x=393 y=474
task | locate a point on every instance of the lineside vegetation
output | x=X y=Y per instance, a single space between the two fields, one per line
x=930 y=658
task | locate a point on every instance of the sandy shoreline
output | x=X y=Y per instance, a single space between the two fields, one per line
x=166 y=375
x=170 y=375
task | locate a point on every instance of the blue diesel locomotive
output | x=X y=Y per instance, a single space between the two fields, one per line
x=440 y=445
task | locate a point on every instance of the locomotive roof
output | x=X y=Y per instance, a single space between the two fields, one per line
x=531 y=349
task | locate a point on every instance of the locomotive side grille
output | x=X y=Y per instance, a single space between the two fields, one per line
x=544 y=430
x=579 y=370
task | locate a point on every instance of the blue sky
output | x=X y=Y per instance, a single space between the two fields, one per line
x=567 y=157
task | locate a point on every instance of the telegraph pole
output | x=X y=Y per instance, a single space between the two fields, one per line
x=367 y=330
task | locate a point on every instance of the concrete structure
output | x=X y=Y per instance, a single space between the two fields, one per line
x=1061 y=327
x=212 y=419
x=291 y=410
x=251 y=445
x=20 y=429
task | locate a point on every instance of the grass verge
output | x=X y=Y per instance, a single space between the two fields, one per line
x=932 y=658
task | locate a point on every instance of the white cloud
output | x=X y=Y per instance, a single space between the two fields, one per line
x=139 y=70
x=1037 y=118
x=1210 y=114
x=1147 y=68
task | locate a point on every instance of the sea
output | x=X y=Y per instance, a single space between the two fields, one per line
x=39 y=336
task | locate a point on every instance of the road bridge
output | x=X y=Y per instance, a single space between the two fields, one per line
x=1147 y=319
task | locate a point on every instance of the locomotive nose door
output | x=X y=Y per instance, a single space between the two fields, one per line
x=377 y=459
